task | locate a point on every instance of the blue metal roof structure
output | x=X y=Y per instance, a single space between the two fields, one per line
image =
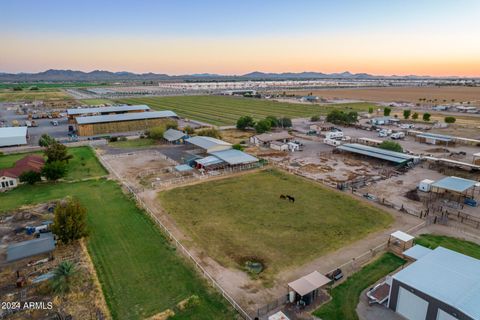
x=183 y=168
x=124 y=108
x=417 y=251
x=208 y=142
x=454 y=184
x=233 y=156
x=448 y=276
x=30 y=248
x=392 y=156
x=126 y=117
x=439 y=137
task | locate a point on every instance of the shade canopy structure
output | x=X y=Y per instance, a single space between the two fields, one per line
x=125 y=108
x=208 y=161
x=309 y=283
x=455 y=184
x=126 y=117
x=391 y=156
x=234 y=157
x=30 y=248
x=433 y=136
x=417 y=252
x=400 y=235
x=183 y=168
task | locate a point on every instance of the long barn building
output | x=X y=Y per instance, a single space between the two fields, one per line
x=102 y=111
x=98 y=125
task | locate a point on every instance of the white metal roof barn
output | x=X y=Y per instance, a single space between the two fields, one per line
x=13 y=136
x=209 y=144
x=100 y=110
x=392 y=156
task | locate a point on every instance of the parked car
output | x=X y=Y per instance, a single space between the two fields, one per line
x=54 y=123
x=335 y=275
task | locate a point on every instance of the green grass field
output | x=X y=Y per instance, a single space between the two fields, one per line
x=140 y=272
x=27 y=95
x=345 y=297
x=133 y=143
x=95 y=102
x=239 y=218
x=84 y=163
x=466 y=247
x=221 y=110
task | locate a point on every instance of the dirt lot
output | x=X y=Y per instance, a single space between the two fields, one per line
x=403 y=94
x=85 y=301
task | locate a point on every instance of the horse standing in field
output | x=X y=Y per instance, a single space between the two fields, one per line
x=283 y=197
x=291 y=199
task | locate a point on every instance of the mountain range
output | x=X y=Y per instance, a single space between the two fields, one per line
x=108 y=76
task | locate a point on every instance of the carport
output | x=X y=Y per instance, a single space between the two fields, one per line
x=454 y=187
x=305 y=290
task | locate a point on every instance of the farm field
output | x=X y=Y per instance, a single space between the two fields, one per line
x=140 y=273
x=45 y=85
x=221 y=110
x=345 y=297
x=406 y=94
x=26 y=95
x=242 y=219
x=84 y=163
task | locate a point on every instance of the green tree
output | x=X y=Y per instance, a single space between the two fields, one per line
x=57 y=152
x=46 y=140
x=156 y=133
x=210 y=132
x=54 y=170
x=450 y=119
x=406 y=113
x=30 y=177
x=65 y=277
x=387 y=111
x=370 y=110
x=262 y=126
x=237 y=146
x=274 y=122
x=340 y=117
x=188 y=130
x=244 y=122
x=391 y=145
x=70 y=220
x=415 y=116
x=285 y=122
x=315 y=118
x=426 y=116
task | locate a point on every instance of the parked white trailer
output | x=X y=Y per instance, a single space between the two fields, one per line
x=334 y=135
x=425 y=185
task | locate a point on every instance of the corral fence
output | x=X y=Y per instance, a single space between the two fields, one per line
x=177 y=243
x=272 y=305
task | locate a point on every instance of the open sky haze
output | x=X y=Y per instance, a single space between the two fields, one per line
x=424 y=37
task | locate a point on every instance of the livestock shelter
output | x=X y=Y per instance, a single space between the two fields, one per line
x=235 y=157
x=35 y=249
x=9 y=177
x=208 y=144
x=265 y=139
x=174 y=136
x=455 y=188
x=400 y=241
x=96 y=125
x=93 y=111
x=440 y=285
x=306 y=289
x=13 y=136
x=398 y=158
x=433 y=138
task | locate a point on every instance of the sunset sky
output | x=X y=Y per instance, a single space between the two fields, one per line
x=423 y=37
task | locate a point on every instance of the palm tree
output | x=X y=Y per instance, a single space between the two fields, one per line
x=64 y=277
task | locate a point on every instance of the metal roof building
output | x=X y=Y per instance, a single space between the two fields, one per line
x=432 y=138
x=30 y=248
x=13 y=136
x=455 y=184
x=392 y=156
x=209 y=144
x=442 y=284
x=416 y=252
x=234 y=157
x=126 y=117
x=172 y=135
x=100 y=110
